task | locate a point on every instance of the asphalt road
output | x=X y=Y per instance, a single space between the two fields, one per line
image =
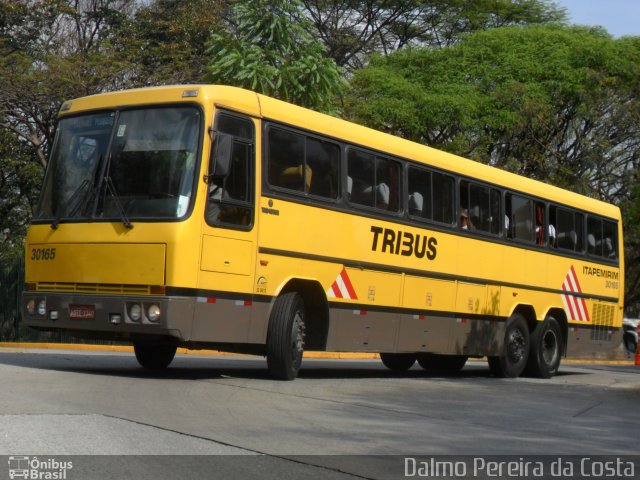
x=222 y=417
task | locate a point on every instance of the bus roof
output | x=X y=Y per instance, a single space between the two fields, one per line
x=262 y=106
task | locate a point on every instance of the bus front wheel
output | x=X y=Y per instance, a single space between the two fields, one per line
x=398 y=362
x=515 y=350
x=154 y=356
x=285 y=336
x=546 y=349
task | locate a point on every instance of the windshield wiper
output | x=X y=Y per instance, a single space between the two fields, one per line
x=73 y=200
x=112 y=191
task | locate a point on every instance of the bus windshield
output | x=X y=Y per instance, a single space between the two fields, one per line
x=136 y=163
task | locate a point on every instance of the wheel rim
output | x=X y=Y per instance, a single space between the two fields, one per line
x=549 y=347
x=516 y=346
x=297 y=339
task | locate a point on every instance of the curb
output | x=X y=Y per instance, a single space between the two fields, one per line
x=319 y=355
x=183 y=351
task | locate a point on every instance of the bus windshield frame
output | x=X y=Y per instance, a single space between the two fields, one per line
x=137 y=163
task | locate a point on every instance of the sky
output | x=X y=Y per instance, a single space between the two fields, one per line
x=619 y=17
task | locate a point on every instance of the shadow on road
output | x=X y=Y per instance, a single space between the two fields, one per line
x=212 y=368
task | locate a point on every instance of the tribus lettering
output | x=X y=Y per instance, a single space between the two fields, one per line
x=398 y=242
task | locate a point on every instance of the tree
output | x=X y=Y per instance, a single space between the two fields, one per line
x=559 y=104
x=166 y=41
x=20 y=180
x=352 y=30
x=69 y=56
x=267 y=48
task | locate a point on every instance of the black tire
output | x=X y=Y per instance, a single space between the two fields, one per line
x=630 y=343
x=442 y=364
x=515 y=350
x=154 y=356
x=546 y=349
x=285 y=337
x=398 y=362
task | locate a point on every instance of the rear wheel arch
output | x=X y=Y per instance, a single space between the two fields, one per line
x=528 y=313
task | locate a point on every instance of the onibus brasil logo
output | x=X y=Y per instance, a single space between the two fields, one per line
x=33 y=468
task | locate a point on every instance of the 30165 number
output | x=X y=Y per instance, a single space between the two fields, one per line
x=43 y=254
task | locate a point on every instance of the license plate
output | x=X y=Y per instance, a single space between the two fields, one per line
x=82 y=312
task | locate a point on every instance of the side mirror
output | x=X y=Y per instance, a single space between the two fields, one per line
x=220 y=162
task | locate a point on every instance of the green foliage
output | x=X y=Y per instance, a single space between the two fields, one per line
x=353 y=30
x=269 y=50
x=554 y=103
x=166 y=41
x=20 y=180
x=631 y=219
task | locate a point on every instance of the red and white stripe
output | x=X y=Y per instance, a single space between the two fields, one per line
x=576 y=307
x=206 y=300
x=342 y=287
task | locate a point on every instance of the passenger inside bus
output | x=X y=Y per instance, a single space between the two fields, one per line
x=416 y=203
x=465 y=223
x=382 y=196
x=552 y=236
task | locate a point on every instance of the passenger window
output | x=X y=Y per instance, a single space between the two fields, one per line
x=495 y=219
x=483 y=207
x=230 y=186
x=286 y=165
x=568 y=228
x=373 y=181
x=362 y=177
x=609 y=240
x=420 y=193
x=443 y=195
x=601 y=238
x=540 y=222
x=519 y=217
x=303 y=164
x=323 y=161
x=387 y=185
x=594 y=236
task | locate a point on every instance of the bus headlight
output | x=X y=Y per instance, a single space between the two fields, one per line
x=42 y=307
x=31 y=306
x=135 y=312
x=153 y=312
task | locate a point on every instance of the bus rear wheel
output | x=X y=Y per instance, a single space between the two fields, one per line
x=154 y=356
x=398 y=362
x=546 y=349
x=442 y=364
x=515 y=350
x=285 y=337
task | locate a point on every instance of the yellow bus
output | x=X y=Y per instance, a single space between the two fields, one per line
x=207 y=216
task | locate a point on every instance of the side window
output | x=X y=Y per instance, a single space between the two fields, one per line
x=361 y=177
x=230 y=191
x=323 y=163
x=609 y=239
x=387 y=185
x=420 y=193
x=601 y=238
x=302 y=163
x=594 y=236
x=286 y=165
x=540 y=221
x=519 y=213
x=373 y=181
x=568 y=226
x=479 y=208
x=443 y=195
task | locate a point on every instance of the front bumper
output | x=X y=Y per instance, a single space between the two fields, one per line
x=108 y=316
